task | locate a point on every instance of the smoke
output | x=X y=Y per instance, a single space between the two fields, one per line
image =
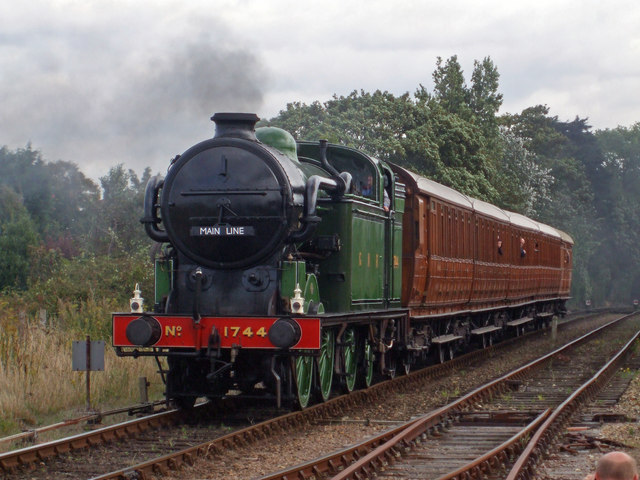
x=167 y=100
x=98 y=98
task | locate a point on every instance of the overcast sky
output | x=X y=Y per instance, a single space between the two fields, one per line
x=102 y=82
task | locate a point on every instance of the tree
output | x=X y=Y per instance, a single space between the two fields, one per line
x=524 y=185
x=17 y=237
x=116 y=227
x=484 y=99
x=24 y=172
x=618 y=188
x=423 y=133
x=462 y=161
x=450 y=89
x=57 y=195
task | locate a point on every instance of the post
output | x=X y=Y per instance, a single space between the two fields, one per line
x=88 y=373
x=22 y=326
x=554 y=328
x=86 y=356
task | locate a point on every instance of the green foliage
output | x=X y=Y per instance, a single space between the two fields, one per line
x=524 y=185
x=557 y=172
x=74 y=244
x=89 y=278
x=86 y=317
x=484 y=99
x=376 y=121
x=17 y=237
x=56 y=195
x=115 y=226
x=450 y=90
x=462 y=162
x=616 y=174
x=436 y=134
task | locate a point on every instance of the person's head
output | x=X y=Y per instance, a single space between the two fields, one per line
x=616 y=466
x=369 y=181
x=522 y=241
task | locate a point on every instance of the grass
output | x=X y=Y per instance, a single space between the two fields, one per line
x=37 y=384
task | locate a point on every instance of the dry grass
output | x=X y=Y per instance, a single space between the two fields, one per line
x=37 y=382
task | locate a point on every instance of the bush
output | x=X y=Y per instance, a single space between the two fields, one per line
x=86 y=279
x=36 y=380
x=79 y=295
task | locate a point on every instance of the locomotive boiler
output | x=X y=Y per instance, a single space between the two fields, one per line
x=292 y=269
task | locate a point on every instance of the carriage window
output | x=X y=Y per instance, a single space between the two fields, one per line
x=523 y=251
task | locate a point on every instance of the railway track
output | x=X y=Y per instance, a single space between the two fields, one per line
x=478 y=434
x=34 y=435
x=590 y=432
x=187 y=442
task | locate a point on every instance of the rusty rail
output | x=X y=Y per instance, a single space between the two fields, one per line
x=551 y=429
x=33 y=433
x=501 y=453
x=16 y=458
x=362 y=459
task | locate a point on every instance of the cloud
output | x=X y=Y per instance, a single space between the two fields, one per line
x=102 y=82
x=130 y=96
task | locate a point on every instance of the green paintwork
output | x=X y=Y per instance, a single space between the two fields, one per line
x=369 y=358
x=163 y=278
x=325 y=362
x=354 y=278
x=311 y=294
x=366 y=273
x=349 y=357
x=279 y=139
x=295 y=273
x=396 y=265
x=304 y=379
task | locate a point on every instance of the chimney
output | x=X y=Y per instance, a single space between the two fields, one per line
x=236 y=125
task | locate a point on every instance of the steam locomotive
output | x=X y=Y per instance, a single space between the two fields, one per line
x=293 y=269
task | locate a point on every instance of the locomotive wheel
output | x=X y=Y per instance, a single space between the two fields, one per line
x=365 y=378
x=304 y=379
x=325 y=363
x=349 y=358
